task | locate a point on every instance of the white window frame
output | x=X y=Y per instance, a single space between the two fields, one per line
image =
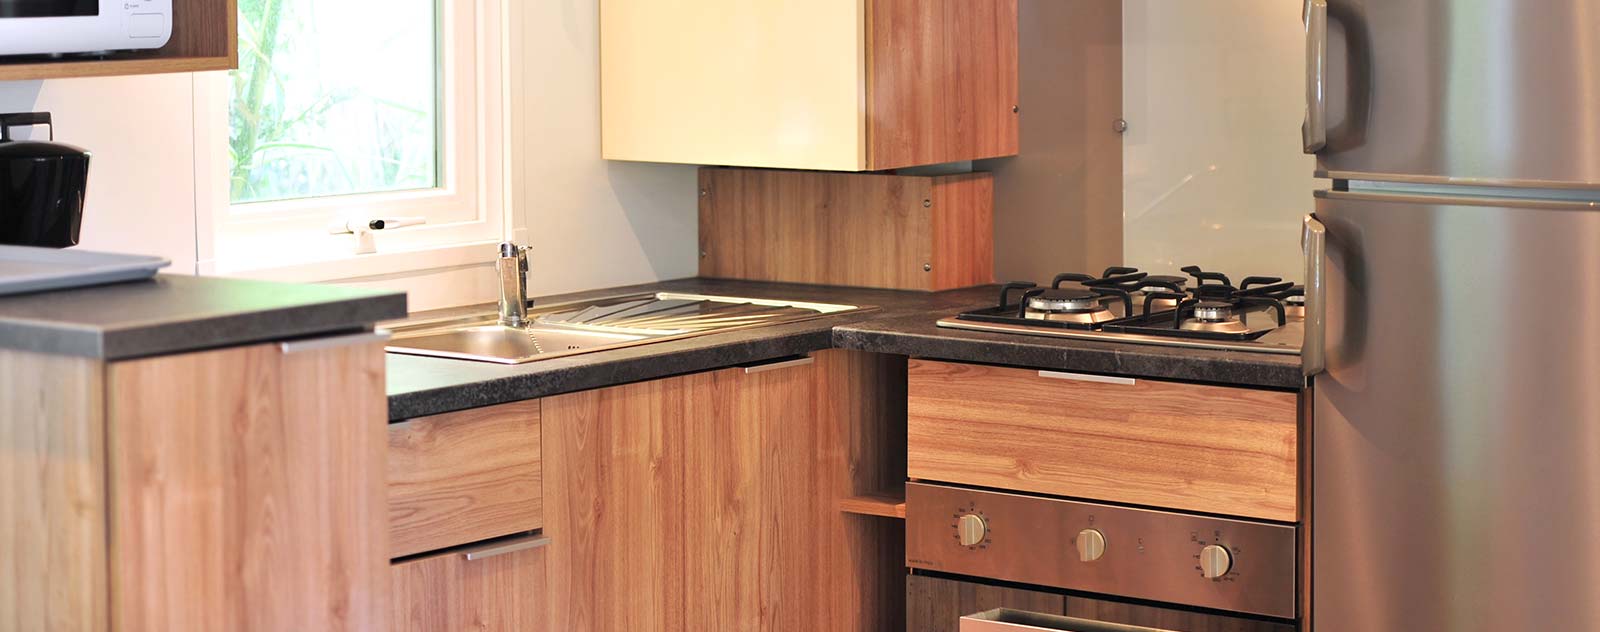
x=289 y=240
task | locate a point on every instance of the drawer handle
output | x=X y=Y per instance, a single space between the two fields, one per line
x=763 y=368
x=1083 y=377
x=332 y=342
x=1007 y=620
x=501 y=548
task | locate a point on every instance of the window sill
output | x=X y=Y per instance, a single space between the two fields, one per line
x=340 y=267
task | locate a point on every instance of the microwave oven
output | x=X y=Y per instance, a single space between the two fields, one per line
x=54 y=27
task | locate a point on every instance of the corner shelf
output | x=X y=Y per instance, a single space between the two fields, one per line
x=204 y=37
x=885 y=504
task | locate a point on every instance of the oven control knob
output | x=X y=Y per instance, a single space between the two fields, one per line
x=971 y=529
x=1091 y=545
x=1215 y=561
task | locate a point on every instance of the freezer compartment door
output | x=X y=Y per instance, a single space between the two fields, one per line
x=1456 y=458
x=1500 y=92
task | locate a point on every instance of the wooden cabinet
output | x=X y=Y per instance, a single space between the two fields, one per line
x=204 y=37
x=246 y=490
x=1220 y=450
x=866 y=230
x=839 y=85
x=462 y=477
x=708 y=502
x=499 y=587
x=236 y=489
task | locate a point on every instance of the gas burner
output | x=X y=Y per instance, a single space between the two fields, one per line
x=1069 y=305
x=1162 y=283
x=1216 y=316
x=1203 y=308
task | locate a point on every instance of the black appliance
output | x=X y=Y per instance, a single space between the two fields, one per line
x=42 y=186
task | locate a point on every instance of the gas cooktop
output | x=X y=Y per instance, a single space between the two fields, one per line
x=1204 y=310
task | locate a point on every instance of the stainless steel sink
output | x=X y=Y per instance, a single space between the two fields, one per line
x=582 y=327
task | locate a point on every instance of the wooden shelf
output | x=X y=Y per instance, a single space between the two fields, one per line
x=204 y=37
x=886 y=505
x=66 y=69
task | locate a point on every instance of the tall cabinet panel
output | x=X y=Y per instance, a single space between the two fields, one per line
x=247 y=489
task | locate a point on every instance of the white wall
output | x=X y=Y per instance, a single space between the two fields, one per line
x=141 y=178
x=1213 y=172
x=592 y=223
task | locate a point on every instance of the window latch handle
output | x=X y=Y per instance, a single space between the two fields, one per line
x=363 y=228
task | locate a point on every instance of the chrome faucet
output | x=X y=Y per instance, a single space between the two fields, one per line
x=512 y=266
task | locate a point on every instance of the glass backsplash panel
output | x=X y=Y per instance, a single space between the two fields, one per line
x=1213 y=172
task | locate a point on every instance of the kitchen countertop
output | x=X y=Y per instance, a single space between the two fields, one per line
x=902 y=323
x=917 y=336
x=173 y=313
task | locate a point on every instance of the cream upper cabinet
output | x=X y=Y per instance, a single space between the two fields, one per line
x=838 y=85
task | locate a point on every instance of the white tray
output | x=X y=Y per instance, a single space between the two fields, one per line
x=29 y=269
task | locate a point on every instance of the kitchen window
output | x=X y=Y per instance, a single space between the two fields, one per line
x=352 y=110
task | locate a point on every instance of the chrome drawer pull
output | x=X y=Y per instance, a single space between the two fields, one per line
x=333 y=342
x=762 y=368
x=501 y=548
x=1083 y=377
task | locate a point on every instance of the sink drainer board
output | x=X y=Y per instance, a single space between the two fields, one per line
x=610 y=323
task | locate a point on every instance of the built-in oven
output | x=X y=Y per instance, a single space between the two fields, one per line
x=51 y=27
x=1049 y=563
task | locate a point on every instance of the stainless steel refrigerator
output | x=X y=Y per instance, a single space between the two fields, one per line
x=1455 y=261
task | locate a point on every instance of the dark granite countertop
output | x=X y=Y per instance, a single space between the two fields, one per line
x=420 y=386
x=175 y=313
x=902 y=323
x=918 y=336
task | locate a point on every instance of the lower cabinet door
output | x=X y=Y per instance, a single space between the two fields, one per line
x=498 y=587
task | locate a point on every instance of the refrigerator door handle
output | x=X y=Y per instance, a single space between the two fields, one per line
x=1315 y=130
x=1314 y=243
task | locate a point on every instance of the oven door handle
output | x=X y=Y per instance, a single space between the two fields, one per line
x=1008 y=620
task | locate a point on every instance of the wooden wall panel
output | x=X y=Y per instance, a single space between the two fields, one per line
x=462 y=477
x=445 y=593
x=52 y=493
x=1229 y=451
x=963 y=230
x=862 y=230
x=250 y=498
x=941 y=81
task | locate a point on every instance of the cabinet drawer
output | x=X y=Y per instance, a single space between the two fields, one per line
x=1220 y=450
x=464 y=477
x=499 y=587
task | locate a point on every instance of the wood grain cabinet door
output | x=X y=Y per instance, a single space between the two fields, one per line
x=246 y=489
x=496 y=588
x=709 y=502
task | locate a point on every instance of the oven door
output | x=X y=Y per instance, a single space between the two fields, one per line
x=1008 y=620
x=949 y=603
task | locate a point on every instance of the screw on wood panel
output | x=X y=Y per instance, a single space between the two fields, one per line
x=1015 y=109
x=705 y=192
x=927 y=203
x=1119 y=126
x=927 y=267
x=702 y=254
